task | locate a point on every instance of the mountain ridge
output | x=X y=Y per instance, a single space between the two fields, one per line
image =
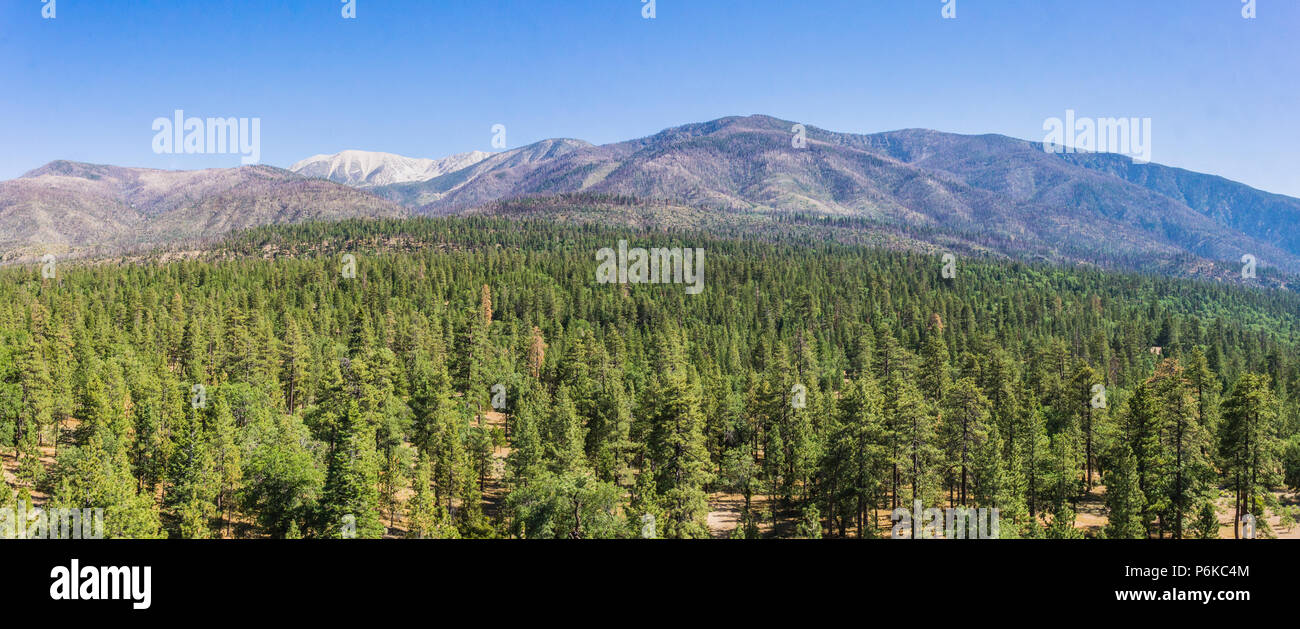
x=372 y=168
x=992 y=191
x=1006 y=187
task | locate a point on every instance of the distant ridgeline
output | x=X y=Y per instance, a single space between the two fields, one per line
x=471 y=377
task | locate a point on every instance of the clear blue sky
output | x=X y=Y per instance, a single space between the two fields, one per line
x=427 y=78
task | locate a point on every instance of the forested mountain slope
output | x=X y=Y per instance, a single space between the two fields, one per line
x=1007 y=194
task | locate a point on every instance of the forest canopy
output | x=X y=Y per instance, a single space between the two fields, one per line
x=470 y=378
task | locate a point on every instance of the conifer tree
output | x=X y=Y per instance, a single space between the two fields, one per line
x=566 y=505
x=565 y=435
x=676 y=443
x=282 y=482
x=1186 y=442
x=1249 y=443
x=1142 y=433
x=428 y=520
x=1125 y=503
x=97 y=474
x=919 y=454
x=855 y=468
x=294 y=364
x=350 y=497
x=227 y=458
x=1089 y=415
x=192 y=477
x=933 y=372
x=35 y=409
x=527 y=456
x=966 y=428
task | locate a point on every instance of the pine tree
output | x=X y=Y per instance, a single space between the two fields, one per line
x=227 y=458
x=527 y=456
x=568 y=505
x=1248 y=440
x=1206 y=525
x=919 y=454
x=294 y=364
x=612 y=431
x=536 y=353
x=855 y=467
x=1186 y=443
x=282 y=482
x=933 y=373
x=1142 y=433
x=35 y=413
x=428 y=520
x=966 y=427
x=97 y=475
x=192 y=477
x=1035 y=454
x=350 y=494
x=891 y=369
x=678 y=455
x=565 y=436
x=152 y=415
x=1089 y=414
x=1125 y=503
x=392 y=478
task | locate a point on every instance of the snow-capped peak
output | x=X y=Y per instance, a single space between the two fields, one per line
x=366 y=169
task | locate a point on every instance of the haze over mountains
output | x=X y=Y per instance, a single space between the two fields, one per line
x=993 y=194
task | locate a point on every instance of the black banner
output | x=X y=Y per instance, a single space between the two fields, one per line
x=318 y=579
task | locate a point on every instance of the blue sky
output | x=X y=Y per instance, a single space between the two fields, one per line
x=428 y=78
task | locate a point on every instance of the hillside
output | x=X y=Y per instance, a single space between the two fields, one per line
x=1005 y=193
x=71 y=208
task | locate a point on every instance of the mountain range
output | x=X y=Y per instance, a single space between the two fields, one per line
x=980 y=194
